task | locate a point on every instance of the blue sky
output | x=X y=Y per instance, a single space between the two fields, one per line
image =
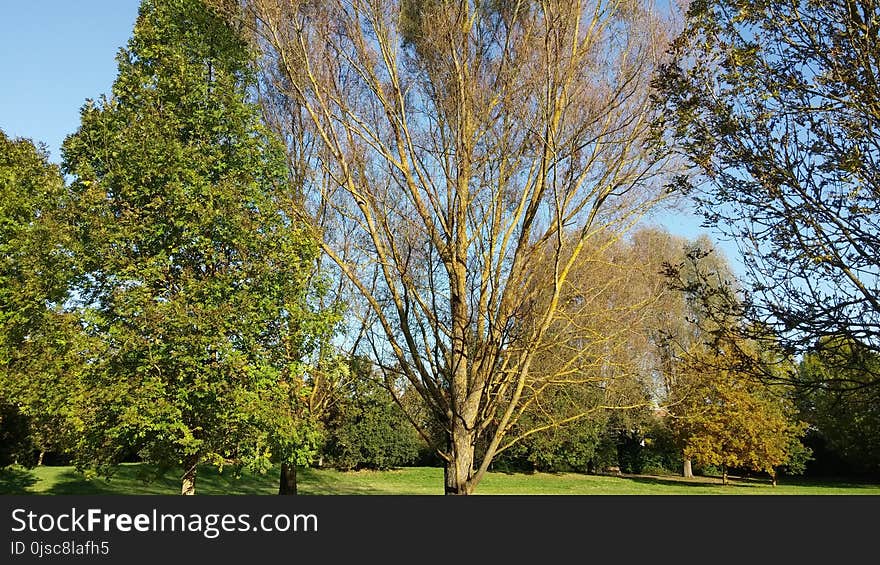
x=55 y=54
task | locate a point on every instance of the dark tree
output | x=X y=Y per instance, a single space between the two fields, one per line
x=776 y=107
x=366 y=428
x=839 y=395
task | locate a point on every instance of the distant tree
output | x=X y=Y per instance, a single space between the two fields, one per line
x=695 y=315
x=838 y=395
x=725 y=403
x=201 y=269
x=552 y=447
x=662 y=453
x=730 y=419
x=366 y=428
x=595 y=357
x=614 y=350
x=777 y=108
x=39 y=365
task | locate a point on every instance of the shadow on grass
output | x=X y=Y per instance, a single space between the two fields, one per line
x=832 y=482
x=697 y=483
x=145 y=480
x=210 y=481
x=124 y=480
x=313 y=483
x=16 y=480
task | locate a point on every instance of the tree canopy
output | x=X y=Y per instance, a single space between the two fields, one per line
x=454 y=143
x=728 y=418
x=838 y=395
x=775 y=106
x=38 y=339
x=200 y=267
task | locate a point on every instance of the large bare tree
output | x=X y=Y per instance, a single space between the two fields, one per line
x=446 y=149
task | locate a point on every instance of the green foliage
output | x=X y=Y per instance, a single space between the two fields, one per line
x=838 y=394
x=775 y=107
x=201 y=273
x=366 y=428
x=799 y=455
x=548 y=446
x=630 y=451
x=662 y=453
x=34 y=269
x=16 y=445
x=39 y=361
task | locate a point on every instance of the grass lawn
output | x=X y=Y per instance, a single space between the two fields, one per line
x=416 y=480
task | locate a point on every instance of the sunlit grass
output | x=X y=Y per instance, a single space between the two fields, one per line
x=135 y=479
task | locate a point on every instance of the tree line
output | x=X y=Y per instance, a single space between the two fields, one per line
x=373 y=233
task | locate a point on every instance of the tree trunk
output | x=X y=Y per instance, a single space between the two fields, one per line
x=40 y=458
x=189 y=476
x=456 y=478
x=458 y=472
x=687 y=471
x=287 y=483
x=724 y=475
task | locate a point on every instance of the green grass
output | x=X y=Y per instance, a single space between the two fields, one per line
x=129 y=479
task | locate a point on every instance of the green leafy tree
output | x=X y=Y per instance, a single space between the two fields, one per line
x=838 y=395
x=366 y=428
x=38 y=339
x=776 y=106
x=549 y=446
x=201 y=271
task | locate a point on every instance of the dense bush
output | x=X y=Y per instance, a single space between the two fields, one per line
x=366 y=429
x=16 y=446
x=565 y=448
x=661 y=454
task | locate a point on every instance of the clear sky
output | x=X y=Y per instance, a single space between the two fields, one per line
x=55 y=54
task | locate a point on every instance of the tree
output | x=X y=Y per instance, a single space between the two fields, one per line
x=365 y=427
x=201 y=270
x=38 y=354
x=731 y=419
x=553 y=442
x=775 y=105
x=604 y=357
x=837 y=394
x=695 y=315
x=453 y=144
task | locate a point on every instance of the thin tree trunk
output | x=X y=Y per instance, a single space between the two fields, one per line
x=40 y=458
x=687 y=470
x=287 y=482
x=189 y=476
x=724 y=475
